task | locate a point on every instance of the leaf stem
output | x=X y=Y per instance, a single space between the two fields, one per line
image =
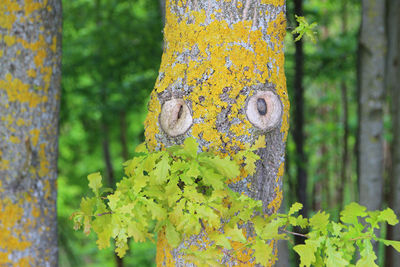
x=294 y=233
x=104 y=213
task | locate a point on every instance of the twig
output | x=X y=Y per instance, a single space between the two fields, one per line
x=294 y=233
x=360 y=237
x=104 y=213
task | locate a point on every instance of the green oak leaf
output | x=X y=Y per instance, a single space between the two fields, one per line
x=389 y=216
x=95 y=182
x=173 y=237
x=224 y=166
x=306 y=252
x=394 y=244
x=320 y=221
x=295 y=208
x=235 y=234
x=190 y=146
x=351 y=213
x=262 y=252
x=162 y=168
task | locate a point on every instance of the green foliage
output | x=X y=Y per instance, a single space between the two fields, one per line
x=304 y=28
x=184 y=193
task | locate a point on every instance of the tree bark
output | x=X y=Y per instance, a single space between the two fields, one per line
x=30 y=75
x=392 y=81
x=372 y=45
x=217 y=56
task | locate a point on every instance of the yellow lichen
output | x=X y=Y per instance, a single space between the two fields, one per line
x=34 y=133
x=12 y=238
x=44 y=163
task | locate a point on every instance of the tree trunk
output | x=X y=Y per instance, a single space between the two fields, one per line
x=298 y=130
x=30 y=75
x=344 y=97
x=393 y=87
x=298 y=119
x=222 y=81
x=372 y=47
x=123 y=136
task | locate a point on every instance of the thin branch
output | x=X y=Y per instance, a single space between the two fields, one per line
x=294 y=233
x=360 y=237
x=104 y=213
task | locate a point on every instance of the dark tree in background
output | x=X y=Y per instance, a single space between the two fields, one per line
x=30 y=78
x=392 y=80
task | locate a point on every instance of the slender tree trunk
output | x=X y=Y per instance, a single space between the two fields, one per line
x=30 y=76
x=393 y=87
x=298 y=118
x=372 y=45
x=110 y=172
x=345 y=152
x=162 y=8
x=222 y=63
x=123 y=138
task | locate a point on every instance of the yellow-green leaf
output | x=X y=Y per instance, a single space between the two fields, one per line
x=95 y=182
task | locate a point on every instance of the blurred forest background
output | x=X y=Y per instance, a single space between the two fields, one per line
x=111 y=55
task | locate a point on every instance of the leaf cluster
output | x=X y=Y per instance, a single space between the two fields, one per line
x=184 y=193
x=304 y=28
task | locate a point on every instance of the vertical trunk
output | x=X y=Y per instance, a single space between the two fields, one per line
x=393 y=86
x=298 y=118
x=345 y=152
x=219 y=56
x=30 y=75
x=162 y=8
x=107 y=154
x=372 y=47
x=345 y=144
x=123 y=139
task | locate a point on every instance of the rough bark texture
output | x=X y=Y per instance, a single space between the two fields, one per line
x=393 y=87
x=217 y=54
x=30 y=57
x=371 y=93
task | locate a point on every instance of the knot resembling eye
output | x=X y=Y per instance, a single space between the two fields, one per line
x=261 y=106
x=264 y=110
x=175 y=117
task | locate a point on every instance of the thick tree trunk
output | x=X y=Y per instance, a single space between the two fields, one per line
x=30 y=57
x=393 y=87
x=372 y=47
x=222 y=67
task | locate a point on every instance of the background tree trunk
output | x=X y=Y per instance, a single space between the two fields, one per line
x=344 y=96
x=30 y=58
x=298 y=130
x=393 y=87
x=372 y=45
x=217 y=54
x=298 y=119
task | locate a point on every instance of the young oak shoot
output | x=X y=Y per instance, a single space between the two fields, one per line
x=184 y=192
